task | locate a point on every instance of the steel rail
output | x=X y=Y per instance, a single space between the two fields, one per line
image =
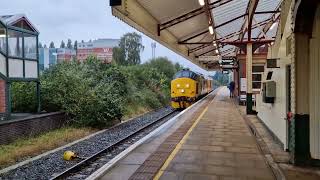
x=81 y=165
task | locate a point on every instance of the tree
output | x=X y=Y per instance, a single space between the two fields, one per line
x=62 y=45
x=178 y=66
x=128 y=52
x=69 y=44
x=221 y=78
x=163 y=65
x=52 y=45
x=75 y=46
x=40 y=45
x=118 y=55
x=82 y=41
x=45 y=46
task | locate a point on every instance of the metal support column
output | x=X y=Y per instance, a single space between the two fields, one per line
x=249 y=79
x=8 y=99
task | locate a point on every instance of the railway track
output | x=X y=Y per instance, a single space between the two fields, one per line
x=88 y=165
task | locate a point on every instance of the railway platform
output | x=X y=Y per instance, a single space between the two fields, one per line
x=209 y=141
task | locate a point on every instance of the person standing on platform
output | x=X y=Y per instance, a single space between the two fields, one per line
x=231 y=88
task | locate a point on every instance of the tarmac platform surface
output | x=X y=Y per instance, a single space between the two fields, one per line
x=209 y=141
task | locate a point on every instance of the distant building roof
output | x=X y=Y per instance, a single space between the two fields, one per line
x=99 y=43
x=11 y=20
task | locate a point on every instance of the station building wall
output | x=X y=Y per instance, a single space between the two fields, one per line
x=274 y=115
x=307 y=77
x=314 y=90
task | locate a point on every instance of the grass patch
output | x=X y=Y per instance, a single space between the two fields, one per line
x=25 y=148
x=134 y=111
x=29 y=147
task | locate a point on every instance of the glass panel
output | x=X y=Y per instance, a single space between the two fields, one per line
x=185 y=74
x=256 y=85
x=178 y=75
x=256 y=77
x=3 y=42
x=15 y=68
x=15 y=43
x=257 y=68
x=30 y=46
x=31 y=69
x=3 y=65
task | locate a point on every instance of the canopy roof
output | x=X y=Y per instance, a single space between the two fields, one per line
x=18 y=20
x=182 y=25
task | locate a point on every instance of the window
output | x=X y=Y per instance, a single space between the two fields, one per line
x=256 y=77
x=3 y=42
x=30 y=46
x=269 y=76
x=186 y=74
x=257 y=68
x=256 y=85
x=271 y=63
x=15 y=43
x=256 y=80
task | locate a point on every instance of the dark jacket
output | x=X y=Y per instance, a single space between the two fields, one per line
x=231 y=86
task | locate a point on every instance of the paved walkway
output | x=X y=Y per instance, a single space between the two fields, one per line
x=219 y=146
x=274 y=149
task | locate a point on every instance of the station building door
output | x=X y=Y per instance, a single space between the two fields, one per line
x=314 y=90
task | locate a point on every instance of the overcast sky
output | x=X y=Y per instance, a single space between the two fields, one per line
x=81 y=20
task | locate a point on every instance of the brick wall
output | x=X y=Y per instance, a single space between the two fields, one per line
x=30 y=126
x=2 y=96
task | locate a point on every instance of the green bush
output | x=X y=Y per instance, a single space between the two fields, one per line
x=91 y=93
x=164 y=66
x=96 y=94
x=146 y=86
x=24 y=97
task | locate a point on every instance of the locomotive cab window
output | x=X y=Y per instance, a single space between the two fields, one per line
x=185 y=74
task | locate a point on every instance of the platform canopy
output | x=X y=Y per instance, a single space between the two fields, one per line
x=183 y=25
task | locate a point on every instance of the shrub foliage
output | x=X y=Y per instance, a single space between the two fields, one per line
x=97 y=94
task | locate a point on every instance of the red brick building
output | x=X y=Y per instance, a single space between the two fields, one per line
x=100 y=48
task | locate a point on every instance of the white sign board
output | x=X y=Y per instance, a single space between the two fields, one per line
x=209 y=58
x=243 y=84
x=227 y=66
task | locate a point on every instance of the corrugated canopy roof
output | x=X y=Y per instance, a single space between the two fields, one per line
x=183 y=25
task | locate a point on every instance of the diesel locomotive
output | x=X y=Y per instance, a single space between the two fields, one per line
x=187 y=87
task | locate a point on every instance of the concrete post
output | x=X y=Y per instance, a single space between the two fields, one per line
x=249 y=78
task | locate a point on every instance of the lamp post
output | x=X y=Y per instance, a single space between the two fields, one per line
x=153 y=46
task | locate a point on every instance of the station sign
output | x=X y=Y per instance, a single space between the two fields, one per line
x=228 y=66
x=228 y=60
x=225 y=72
x=209 y=58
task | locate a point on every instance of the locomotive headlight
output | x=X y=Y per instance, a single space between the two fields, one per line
x=182 y=90
x=178 y=85
x=187 y=85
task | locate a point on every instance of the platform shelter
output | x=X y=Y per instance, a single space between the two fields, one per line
x=18 y=57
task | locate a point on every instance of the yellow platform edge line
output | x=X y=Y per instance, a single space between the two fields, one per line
x=178 y=146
